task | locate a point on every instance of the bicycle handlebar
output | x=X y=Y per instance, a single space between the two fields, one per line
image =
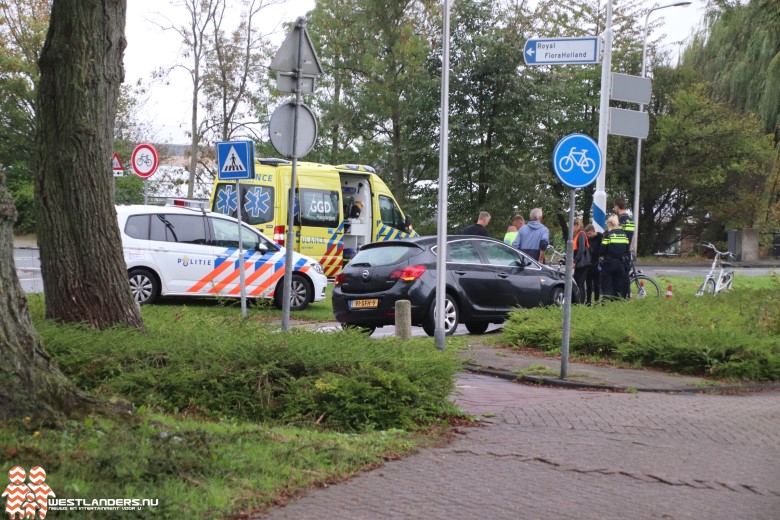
x=721 y=253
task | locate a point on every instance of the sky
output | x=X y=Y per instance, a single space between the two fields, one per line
x=167 y=106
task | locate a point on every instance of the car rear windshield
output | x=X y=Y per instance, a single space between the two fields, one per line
x=386 y=255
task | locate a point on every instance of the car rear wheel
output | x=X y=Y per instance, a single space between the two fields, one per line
x=143 y=285
x=300 y=295
x=477 y=327
x=450 y=317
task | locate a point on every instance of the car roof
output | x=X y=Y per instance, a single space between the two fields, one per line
x=426 y=241
x=140 y=209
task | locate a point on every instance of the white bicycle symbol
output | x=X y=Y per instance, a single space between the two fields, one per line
x=567 y=162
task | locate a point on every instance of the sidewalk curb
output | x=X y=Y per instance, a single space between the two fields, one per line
x=579 y=385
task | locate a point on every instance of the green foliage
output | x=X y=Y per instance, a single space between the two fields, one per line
x=24 y=200
x=193 y=469
x=732 y=336
x=209 y=362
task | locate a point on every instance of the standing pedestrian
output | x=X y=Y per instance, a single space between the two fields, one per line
x=626 y=224
x=533 y=238
x=511 y=233
x=480 y=227
x=581 y=257
x=592 y=278
x=614 y=256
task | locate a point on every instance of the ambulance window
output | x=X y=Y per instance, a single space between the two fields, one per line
x=390 y=214
x=137 y=226
x=320 y=208
x=186 y=229
x=258 y=202
x=225 y=234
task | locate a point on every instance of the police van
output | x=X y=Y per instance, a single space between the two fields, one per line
x=337 y=208
x=186 y=251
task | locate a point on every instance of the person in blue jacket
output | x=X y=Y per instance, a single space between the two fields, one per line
x=534 y=237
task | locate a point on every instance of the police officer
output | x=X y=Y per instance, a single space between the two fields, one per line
x=626 y=224
x=615 y=255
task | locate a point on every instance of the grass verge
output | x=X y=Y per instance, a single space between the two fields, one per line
x=733 y=336
x=231 y=415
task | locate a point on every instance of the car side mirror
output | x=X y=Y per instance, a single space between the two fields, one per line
x=262 y=248
x=408 y=222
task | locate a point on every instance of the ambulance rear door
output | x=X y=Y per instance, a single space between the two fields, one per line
x=318 y=217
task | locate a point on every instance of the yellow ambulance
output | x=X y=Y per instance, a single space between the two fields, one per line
x=337 y=208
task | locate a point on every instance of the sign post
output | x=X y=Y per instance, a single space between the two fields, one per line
x=116 y=166
x=297 y=65
x=144 y=162
x=236 y=161
x=577 y=161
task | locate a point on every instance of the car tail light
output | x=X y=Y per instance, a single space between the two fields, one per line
x=279 y=235
x=340 y=278
x=408 y=274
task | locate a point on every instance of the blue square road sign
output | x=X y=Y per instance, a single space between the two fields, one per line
x=235 y=160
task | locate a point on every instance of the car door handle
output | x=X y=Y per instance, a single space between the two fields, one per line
x=503 y=275
x=460 y=272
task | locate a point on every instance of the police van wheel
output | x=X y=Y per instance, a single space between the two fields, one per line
x=300 y=295
x=143 y=285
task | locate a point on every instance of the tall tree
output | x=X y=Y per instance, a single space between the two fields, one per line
x=30 y=382
x=84 y=273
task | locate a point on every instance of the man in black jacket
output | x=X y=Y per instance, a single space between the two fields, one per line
x=480 y=228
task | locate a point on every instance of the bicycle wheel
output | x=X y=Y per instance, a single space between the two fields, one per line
x=707 y=287
x=642 y=286
x=566 y=164
x=728 y=278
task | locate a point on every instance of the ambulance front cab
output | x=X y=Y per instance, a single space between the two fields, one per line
x=185 y=251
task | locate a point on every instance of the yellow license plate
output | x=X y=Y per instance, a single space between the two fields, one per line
x=364 y=304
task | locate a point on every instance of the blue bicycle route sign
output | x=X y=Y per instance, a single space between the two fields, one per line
x=577 y=160
x=235 y=160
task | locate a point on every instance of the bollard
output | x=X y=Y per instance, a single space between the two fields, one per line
x=403 y=319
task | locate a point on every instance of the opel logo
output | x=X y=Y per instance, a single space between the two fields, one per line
x=365 y=274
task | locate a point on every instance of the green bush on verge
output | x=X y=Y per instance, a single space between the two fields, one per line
x=734 y=335
x=206 y=361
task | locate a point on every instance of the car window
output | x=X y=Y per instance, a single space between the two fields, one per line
x=257 y=202
x=320 y=208
x=225 y=234
x=137 y=226
x=188 y=229
x=386 y=255
x=500 y=254
x=390 y=214
x=462 y=252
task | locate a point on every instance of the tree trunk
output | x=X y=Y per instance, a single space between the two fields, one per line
x=30 y=382
x=84 y=273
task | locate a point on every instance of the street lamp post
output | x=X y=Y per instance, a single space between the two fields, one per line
x=635 y=239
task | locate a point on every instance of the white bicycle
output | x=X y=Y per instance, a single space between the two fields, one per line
x=720 y=276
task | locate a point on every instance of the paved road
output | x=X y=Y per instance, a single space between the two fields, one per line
x=562 y=454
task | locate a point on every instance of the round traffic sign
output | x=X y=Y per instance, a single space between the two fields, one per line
x=577 y=160
x=144 y=160
x=281 y=129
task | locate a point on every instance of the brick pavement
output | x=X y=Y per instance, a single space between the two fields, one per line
x=563 y=454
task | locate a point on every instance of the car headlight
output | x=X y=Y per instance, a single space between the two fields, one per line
x=317 y=267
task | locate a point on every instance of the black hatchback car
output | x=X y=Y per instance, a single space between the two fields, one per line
x=486 y=279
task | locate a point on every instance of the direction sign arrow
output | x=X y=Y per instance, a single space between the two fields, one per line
x=562 y=51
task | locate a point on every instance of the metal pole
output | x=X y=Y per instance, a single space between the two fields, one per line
x=145 y=192
x=242 y=276
x=439 y=335
x=635 y=239
x=288 y=259
x=567 y=289
x=600 y=196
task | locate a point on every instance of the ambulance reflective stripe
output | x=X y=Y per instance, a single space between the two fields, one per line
x=234 y=275
x=261 y=267
x=331 y=260
x=388 y=233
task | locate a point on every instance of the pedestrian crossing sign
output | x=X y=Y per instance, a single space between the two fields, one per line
x=235 y=160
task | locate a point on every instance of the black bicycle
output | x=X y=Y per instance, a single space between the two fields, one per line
x=640 y=284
